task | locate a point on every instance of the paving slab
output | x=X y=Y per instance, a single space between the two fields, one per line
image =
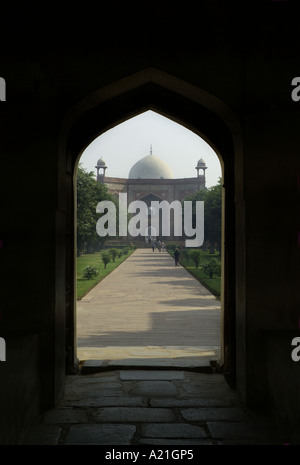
x=172 y=431
x=98 y=400
x=154 y=389
x=176 y=442
x=255 y=432
x=205 y=414
x=152 y=375
x=65 y=415
x=133 y=414
x=195 y=402
x=95 y=434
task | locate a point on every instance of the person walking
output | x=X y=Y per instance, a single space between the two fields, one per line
x=176 y=256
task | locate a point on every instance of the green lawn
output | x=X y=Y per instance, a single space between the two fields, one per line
x=212 y=284
x=94 y=260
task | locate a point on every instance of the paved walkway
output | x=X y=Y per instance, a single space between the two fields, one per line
x=148 y=312
x=148 y=408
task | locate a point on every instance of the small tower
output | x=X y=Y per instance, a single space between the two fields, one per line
x=101 y=166
x=201 y=166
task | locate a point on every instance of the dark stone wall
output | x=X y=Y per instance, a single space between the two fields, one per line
x=227 y=79
x=20 y=387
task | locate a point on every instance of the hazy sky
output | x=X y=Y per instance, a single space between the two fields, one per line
x=130 y=141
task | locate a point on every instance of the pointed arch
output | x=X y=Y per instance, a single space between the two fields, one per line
x=200 y=112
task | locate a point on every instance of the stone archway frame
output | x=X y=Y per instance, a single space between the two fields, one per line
x=211 y=119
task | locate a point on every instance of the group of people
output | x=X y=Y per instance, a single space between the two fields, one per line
x=159 y=245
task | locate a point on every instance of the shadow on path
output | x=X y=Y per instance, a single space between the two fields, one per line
x=146 y=305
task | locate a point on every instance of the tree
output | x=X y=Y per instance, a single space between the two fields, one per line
x=105 y=258
x=211 y=267
x=114 y=253
x=89 y=193
x=196 y=256
x=213 y=216
x=212 y=198
x=186 y=254
x=120 y=253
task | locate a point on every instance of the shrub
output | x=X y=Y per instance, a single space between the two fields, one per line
x=186 y=254
x=113 y=253
x=171 y=246
x=105 y=258
x=211 y=267
x=196 y=256
x=90 y=272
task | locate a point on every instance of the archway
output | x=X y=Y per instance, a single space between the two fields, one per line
x=200 y=112
x=151 y=233
x=149 y=313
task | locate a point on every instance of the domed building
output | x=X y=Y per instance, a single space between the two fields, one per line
x=150 y=167
x=151 y=179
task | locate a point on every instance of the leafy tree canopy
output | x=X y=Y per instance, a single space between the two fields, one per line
x=89 y=193
x=212 y=198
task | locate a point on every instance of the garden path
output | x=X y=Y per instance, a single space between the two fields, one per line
x=149 y=312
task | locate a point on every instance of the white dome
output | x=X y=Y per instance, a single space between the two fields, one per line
x=201 y=162
x=150 y=167
x=100 y=162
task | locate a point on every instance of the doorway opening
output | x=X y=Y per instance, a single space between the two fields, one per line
x=148 y=313
x=206 y=116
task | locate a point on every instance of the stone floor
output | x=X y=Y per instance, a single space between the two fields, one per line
x=147 y=337
x=153 y=408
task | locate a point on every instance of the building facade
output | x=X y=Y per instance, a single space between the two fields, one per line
x=151 y=179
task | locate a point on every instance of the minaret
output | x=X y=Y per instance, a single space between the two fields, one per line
x=101 y=166
x=201 y=166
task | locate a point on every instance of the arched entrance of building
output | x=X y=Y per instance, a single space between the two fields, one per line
x=198 y=111
x=151 y=233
